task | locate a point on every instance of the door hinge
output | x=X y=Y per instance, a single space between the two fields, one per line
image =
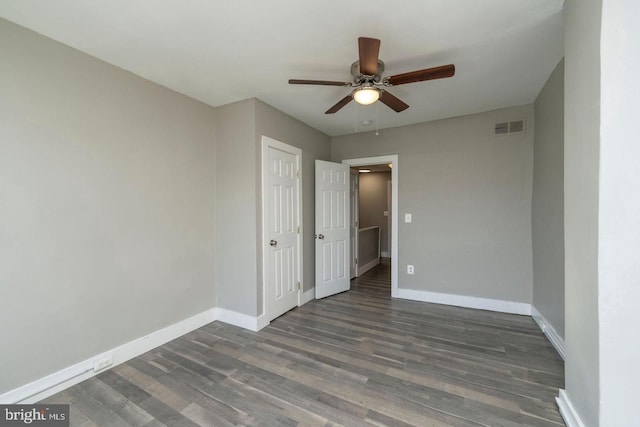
x=298 y=173
x=298 y=230
x=298 y=285
x=356 y=261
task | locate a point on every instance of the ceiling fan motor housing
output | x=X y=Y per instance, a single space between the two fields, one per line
x=358 y=78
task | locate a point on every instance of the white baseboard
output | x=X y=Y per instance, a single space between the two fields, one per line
x=241 y=320
x=307 y=296
x=567 y=410
x=58 y=381
x=368 y=266
x=255 y=323
x=552 y=335
x=384 y=254
x=262 y=322
x=466 y=301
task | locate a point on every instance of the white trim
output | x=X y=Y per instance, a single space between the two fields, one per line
x=368 y=266
x=552 y=335
x=568 y=411
x=379 y=160
x=261 y=322
x=266 y=144
x=241 y=320
x=466 y=301
x=385 y=254
x=354 y=222
x=65 y=378
x=307 y=296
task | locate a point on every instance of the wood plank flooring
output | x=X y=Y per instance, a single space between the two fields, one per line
x=358 y=358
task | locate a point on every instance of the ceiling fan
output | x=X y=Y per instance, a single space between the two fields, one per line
x=368 y=83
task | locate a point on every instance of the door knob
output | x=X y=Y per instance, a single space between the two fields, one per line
x=273 y=243
x=320 y=236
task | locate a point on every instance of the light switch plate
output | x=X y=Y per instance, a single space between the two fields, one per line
x=407 y=218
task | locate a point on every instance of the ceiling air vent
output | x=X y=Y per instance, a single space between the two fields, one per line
x=503 y=128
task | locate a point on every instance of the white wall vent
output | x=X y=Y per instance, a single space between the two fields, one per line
x=503 y=128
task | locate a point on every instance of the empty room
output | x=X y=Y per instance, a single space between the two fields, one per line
x=319 y=213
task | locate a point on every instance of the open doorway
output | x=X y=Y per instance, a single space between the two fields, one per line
x=379 y=225
x=371 y=215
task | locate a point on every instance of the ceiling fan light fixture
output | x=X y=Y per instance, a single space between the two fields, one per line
x=366 y=95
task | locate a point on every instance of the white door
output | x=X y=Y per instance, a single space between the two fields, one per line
x=353 y=229
x=332 y=228
x=282 y=219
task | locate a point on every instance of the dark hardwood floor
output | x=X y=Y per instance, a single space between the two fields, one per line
x=357 y=358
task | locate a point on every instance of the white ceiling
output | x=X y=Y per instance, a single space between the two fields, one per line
x=221 y=52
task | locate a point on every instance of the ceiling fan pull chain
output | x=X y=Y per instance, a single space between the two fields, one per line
x=355 y=117
x=377 y=118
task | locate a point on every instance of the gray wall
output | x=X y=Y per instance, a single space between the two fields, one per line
x=373 y=202
x=367 y=246
x=239 y=130
x=581 y=171
x=235 y=220
x=106 y=203
x=547 y=206
x=470 y=195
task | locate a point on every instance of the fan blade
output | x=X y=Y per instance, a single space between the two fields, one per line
x=392 y=102
x=369 y=50
x=317 y=82
x=422 y=75
x=344 y=101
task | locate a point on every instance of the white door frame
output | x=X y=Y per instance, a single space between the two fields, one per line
x=355 y=215
x=380 y=160
x=263 y=319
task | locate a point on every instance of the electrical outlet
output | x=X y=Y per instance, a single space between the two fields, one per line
x=409 y=269
x=408 y=218
x=100 y=364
